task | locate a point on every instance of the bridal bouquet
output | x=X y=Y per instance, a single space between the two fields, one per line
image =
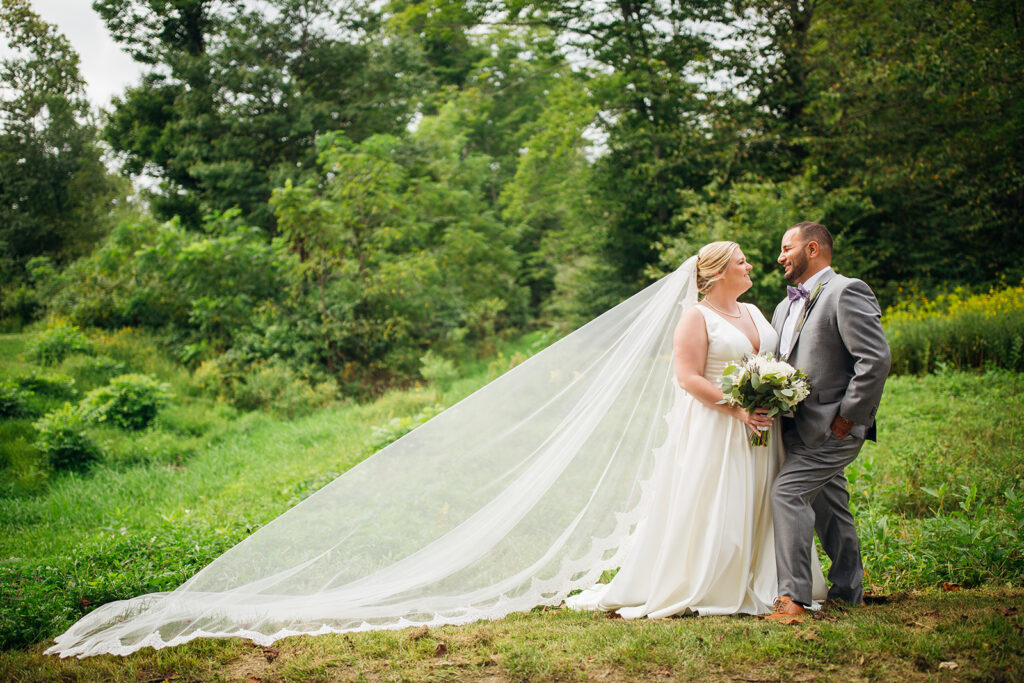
x=763 y=382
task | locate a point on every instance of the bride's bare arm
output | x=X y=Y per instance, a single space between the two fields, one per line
x=690 y=354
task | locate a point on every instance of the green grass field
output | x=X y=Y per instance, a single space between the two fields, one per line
x=938 y=500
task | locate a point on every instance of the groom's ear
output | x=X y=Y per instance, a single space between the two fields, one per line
x=813 y=248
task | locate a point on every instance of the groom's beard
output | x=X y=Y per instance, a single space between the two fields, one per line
x=797 y=267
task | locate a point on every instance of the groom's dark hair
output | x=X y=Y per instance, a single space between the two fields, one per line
x=816 y=232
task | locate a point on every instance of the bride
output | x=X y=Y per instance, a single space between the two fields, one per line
x=606 y=449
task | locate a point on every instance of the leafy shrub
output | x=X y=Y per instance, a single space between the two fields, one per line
x=438 y=369
x=213 y=377
x=275 y=387
x=13 y=400
x=140 y=350
x=129 y=401
x=54 y=385
x=56 y=343
x=19 y=305
x=199 y=286
x=957 y=330
x=63 y=439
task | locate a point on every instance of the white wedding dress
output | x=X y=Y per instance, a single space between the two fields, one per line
x=514 y=497
x=705 y=544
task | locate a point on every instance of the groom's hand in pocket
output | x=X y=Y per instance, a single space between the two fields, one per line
x=841 y=427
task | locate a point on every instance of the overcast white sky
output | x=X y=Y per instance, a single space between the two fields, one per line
x=106 y=69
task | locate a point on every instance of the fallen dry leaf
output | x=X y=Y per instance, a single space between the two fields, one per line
x=271 y=653
x=789 y=621
x=949 y=665
x=253 y=679
x=933 y=613
x=85 y=602
x=612 y=615
x=1010 y=612
x=950 y=587
x=441 y=649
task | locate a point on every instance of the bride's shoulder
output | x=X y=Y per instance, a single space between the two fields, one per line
x=692 y=321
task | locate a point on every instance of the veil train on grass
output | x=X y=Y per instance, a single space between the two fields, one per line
x=515 y=496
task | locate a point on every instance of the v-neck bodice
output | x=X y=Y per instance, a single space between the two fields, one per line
x=727 y=343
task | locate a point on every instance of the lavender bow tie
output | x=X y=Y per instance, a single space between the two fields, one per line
x=796 y=293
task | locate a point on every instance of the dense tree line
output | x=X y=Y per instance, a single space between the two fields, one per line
x=426 y=173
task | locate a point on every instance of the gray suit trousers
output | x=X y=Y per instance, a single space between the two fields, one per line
x=809 y=494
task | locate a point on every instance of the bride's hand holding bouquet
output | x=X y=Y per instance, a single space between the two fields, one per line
x=763 y=383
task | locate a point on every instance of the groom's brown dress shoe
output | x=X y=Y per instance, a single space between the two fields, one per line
x=786 y=611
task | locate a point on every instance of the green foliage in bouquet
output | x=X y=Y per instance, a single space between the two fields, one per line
x=63 y=440
x=130 y=401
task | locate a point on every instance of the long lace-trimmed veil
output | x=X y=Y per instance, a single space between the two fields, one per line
x=520 y=493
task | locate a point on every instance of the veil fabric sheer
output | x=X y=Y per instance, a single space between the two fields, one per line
x=527 y=489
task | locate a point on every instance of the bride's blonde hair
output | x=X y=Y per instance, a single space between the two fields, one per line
x=711 y=261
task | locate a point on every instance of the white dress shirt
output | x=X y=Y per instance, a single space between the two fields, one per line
x=796 y=309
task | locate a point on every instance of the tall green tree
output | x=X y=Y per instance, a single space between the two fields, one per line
x=442 y=31
x=239 y=92
x=660 y=127
x=768 y=53
x=54 y=188
x=922 y=109
x=399 y=251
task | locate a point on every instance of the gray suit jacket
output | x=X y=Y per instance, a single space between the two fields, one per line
x=843 y=350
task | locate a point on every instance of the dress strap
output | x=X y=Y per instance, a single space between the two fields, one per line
x=710 y=319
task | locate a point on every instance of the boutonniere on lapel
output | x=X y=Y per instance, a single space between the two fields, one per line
x=807 y=307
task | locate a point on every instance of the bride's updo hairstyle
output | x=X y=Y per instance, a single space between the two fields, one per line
x=711 y=262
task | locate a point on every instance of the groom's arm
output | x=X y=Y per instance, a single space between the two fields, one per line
x=860 y=325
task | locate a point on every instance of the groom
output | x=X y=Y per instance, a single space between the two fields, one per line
x=829 y=325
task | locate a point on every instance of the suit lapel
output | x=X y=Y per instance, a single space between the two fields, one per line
x=779 y=321
x=813 y=299
x=779 y=317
